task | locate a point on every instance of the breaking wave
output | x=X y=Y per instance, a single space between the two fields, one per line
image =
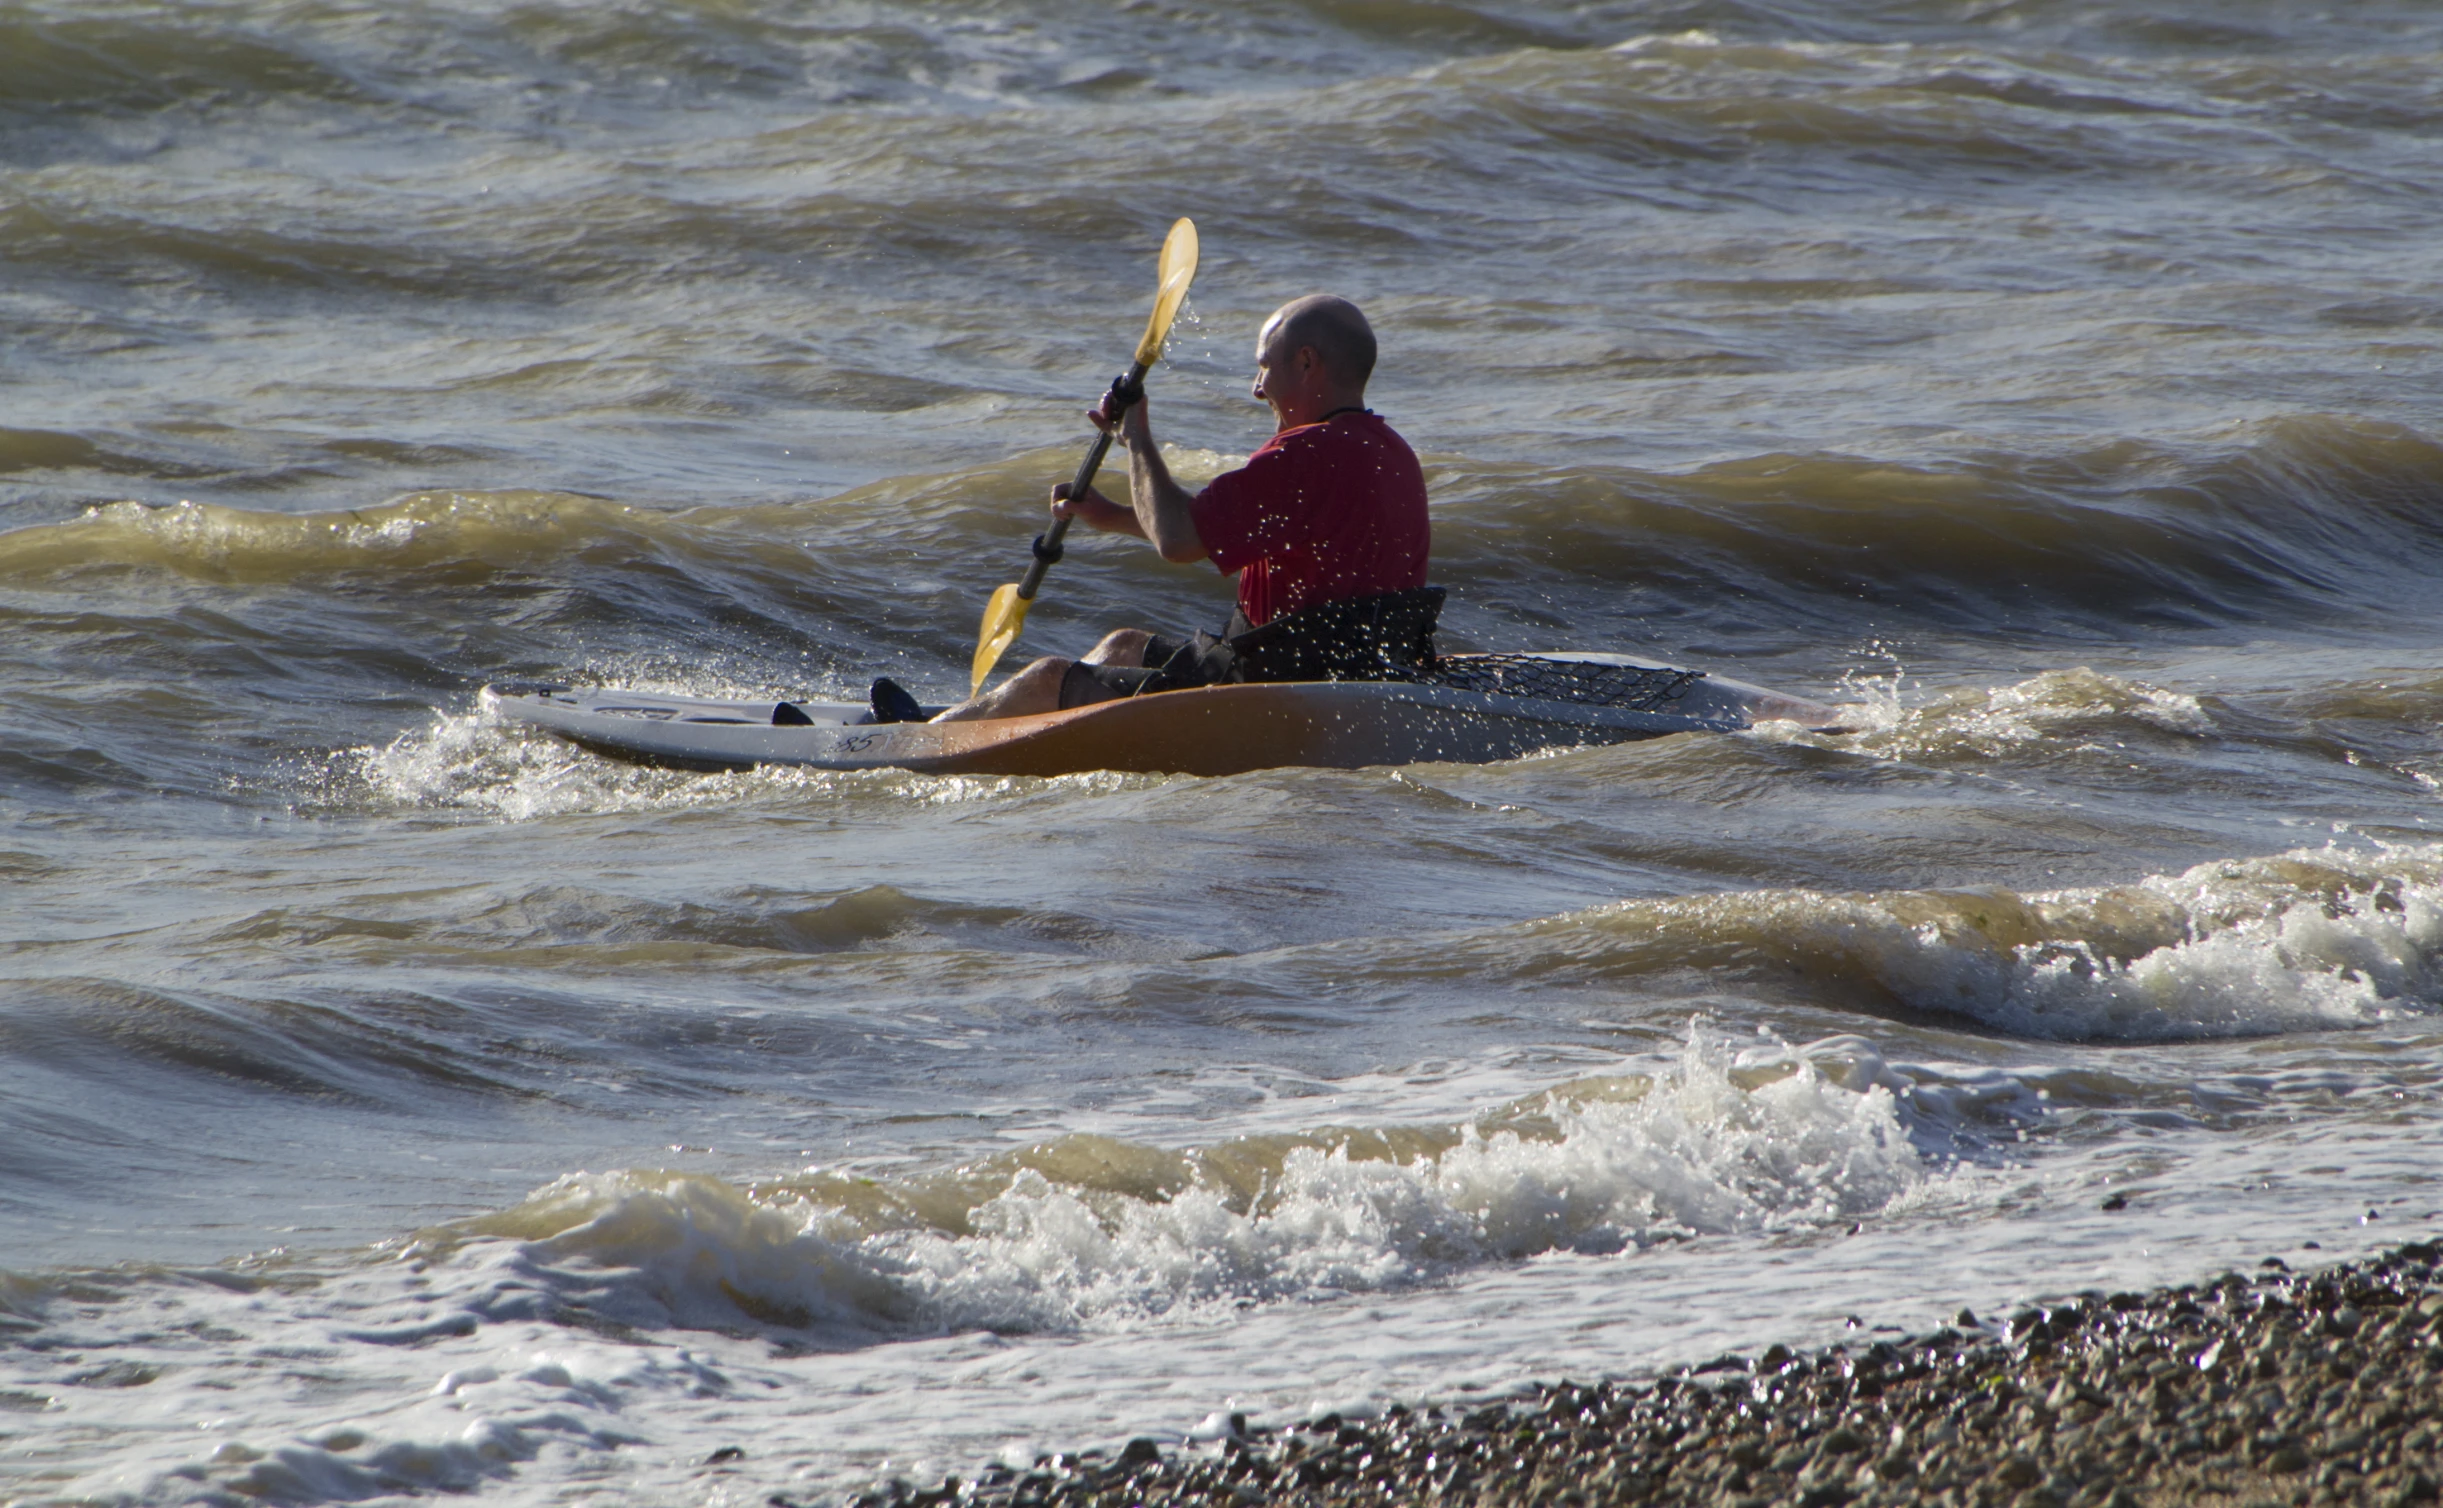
x=2310 y=940
x=1089 y=1233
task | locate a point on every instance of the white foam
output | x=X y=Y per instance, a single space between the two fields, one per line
x=474 y=760
x=2265 y=952
x=2372 y=953
x=479 y=762
x=2078 y=705
x=2304 y=941
x=1698 y=1154
x=472 y=1427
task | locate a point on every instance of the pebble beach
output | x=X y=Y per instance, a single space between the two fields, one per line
x=2262 y=1387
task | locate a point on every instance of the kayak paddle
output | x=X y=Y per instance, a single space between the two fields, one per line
x=1005 y=614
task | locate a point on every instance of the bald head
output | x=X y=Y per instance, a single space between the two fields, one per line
x=1333 y=328
x=1312 y=360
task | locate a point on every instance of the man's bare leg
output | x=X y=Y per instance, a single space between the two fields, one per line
x=1038 y=687
x=1034 y=689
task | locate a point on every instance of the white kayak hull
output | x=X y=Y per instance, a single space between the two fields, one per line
x=1216 y=730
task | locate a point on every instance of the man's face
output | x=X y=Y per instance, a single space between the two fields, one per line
x=1277 y=369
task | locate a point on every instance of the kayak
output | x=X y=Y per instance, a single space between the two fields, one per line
x=1473 y=709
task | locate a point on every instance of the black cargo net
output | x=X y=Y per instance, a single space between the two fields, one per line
x=1635 y=688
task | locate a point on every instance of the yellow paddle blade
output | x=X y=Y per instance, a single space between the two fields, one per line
x=1178 y=270
x=1004 y=615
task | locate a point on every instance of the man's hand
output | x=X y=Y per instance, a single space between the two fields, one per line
x=1136 y=426
x=1160 y=505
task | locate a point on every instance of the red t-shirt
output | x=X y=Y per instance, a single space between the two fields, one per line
x=1318 y=513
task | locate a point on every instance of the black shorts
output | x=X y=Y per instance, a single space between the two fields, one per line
x=1388 y=637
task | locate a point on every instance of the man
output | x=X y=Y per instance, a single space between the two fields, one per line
x=1325 y=527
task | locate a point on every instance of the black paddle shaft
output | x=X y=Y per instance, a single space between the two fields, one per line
x=1127 y=390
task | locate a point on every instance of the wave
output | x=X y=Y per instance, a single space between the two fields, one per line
x=575 y=928
x=2078 y=717
x=1095 y=1234
x=45 y=450
x=392 y=1053
x=888 y=537
x=2060 y=715
x=2410 y=696
x=131 y=62
x=2323 y=515
x=547 y=1328
x=2317 y=515
x=454 y=537
x=2306 y=941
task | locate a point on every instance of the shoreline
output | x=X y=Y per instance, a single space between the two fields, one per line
x=2266 y=1387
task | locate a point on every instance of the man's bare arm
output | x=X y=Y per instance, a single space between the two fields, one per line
x=1097 y=511
x=1161 y=504
x=1158 y=511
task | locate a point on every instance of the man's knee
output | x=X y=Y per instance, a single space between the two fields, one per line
x=1121 y=646
x=1040 y=674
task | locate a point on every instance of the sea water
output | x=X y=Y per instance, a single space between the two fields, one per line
x=393 y=1100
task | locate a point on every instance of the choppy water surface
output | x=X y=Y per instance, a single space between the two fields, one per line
x=390 y=1100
